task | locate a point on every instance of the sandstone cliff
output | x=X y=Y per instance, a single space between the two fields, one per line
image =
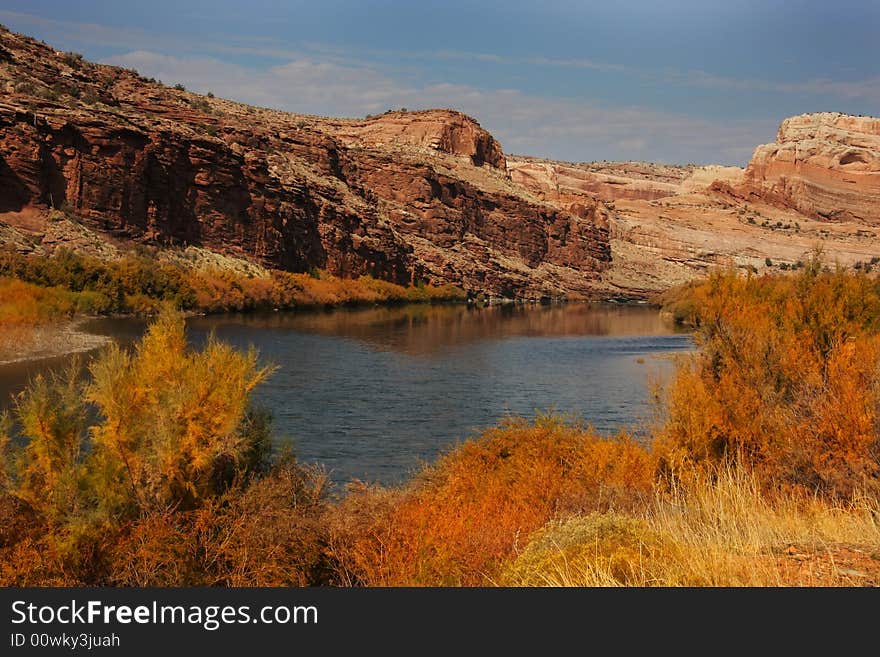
x=568 y=182
x=403 y=196
x=669 y=224
x=825 y=165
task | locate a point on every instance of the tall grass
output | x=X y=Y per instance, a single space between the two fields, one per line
x=719 y=531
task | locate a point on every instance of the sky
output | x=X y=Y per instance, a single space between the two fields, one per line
x=676 y=81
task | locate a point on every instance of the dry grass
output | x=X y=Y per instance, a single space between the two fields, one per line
x=723 y=532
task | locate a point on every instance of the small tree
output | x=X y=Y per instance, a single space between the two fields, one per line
x=173 y=419
x=174 y=429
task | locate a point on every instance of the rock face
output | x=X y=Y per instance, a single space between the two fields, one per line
x=444 y=131
x=670 y=224
x=567 y=182
x=404 y=196
x=825 y=166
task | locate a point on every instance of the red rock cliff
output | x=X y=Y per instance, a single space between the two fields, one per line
x=403 y=196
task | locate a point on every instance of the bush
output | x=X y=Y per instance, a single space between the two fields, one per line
x=139 y=284
x=170 y=430
x=155 y=471
x=102 y=287
x=786 y=380
x=463 y=517
x=265 y=534
x=161 y=446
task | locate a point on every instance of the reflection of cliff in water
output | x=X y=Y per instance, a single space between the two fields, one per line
x=369 y=392
x=422 y=329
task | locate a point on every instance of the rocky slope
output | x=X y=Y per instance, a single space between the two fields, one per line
x=817 y=187
x=826 y=166
x=404 y=196
x=568 y=182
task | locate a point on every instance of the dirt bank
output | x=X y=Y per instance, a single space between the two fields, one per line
x=45 y=341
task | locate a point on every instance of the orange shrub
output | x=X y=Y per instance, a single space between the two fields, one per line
x=786 y=380
x=25 y=304
x=267 y=534
x=159 y=549
x=219 y=291
x=460 y=519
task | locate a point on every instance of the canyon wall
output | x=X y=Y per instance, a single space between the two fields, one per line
x=406 y=196
x=824 y=165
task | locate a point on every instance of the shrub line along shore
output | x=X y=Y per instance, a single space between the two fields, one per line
x=763 y=469
x=44 y=299
x=39 y=296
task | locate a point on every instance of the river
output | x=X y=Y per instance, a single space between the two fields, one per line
x=370 y=393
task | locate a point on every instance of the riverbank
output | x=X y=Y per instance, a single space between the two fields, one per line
x=29 y=343
x=44 y=298
x=762 y=469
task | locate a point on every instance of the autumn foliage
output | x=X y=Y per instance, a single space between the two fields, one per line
x=153 y=469
x=786 y=380
x=44 y=288
x=146 y=471
x=461 y=518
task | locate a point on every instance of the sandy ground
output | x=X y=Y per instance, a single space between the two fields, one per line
x=46 y=341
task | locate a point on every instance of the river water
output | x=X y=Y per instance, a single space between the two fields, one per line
x=371 y=393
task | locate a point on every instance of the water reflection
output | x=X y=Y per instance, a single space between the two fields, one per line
x=426 y=329
x=371 y=392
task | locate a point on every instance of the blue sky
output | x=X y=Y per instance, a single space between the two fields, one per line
x=669 y=81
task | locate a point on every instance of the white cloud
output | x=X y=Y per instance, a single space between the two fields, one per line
x=331 y=79
x=524 y=123
x=867 y=89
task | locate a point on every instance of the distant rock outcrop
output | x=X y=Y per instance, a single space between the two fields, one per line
x=566 y=181
x=444 y=131
x=825 y=166
x=817 y=187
